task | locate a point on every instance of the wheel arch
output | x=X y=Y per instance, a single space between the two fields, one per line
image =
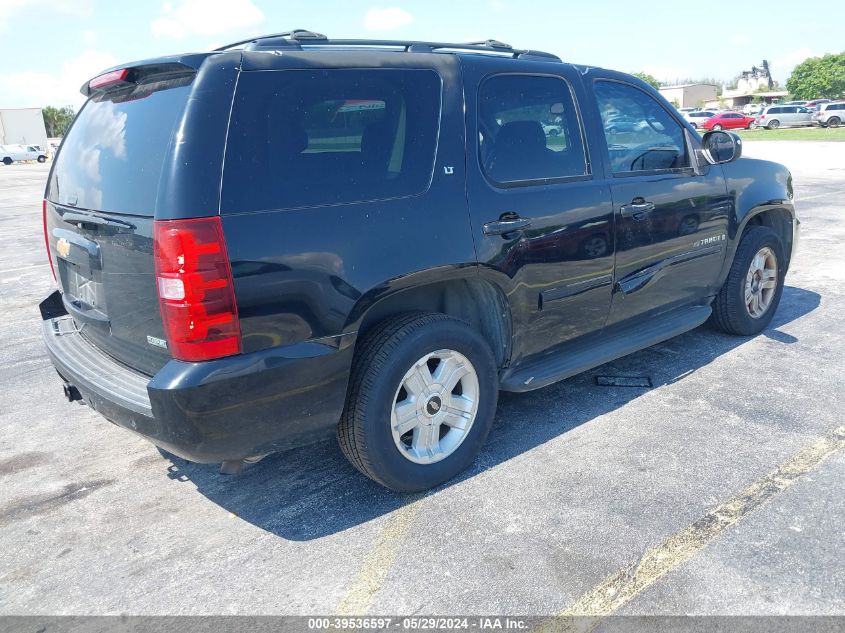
x=475 y=301
x=778 y=217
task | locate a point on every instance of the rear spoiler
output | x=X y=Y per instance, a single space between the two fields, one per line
x=132 y=75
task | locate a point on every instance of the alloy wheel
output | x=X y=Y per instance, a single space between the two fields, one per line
x=761 y=282
x=435 y=406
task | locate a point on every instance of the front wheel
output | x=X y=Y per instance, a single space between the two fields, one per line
x=41 y=159
x=7 y=161
x=420 y=403
x=750 y=296
x=717 y=128
x=751 y=125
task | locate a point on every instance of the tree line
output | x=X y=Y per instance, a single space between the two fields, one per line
x=814 y=78
x=57 y=120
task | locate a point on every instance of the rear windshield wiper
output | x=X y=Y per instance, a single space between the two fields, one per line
x=81 y=219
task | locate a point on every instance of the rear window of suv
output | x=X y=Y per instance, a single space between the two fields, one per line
x=112 y=157
x=305 y=138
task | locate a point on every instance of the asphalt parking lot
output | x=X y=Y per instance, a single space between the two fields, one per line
x=652 y=501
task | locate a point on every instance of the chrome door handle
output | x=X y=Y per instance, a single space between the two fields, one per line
x=637 y=209
x=506 y=225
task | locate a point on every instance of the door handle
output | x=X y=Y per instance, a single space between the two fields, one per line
x=506 y=224
x=637 y=209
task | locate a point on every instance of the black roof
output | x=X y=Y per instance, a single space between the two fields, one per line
x=301 y=39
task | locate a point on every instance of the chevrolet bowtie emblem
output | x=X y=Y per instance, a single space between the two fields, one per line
x=63 y=247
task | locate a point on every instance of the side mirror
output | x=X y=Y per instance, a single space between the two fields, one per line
x=721 y=147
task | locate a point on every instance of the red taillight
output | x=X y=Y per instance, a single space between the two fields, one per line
x=196 y=290
x=47 y=237
x=106 y=79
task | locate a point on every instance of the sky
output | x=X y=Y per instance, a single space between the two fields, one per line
x=50 y=47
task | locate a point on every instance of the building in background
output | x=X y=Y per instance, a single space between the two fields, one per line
x=23 y=126
x=751 y=84
x=689 y=95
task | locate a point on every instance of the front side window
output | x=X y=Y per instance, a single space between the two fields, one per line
x=528 y=129
x=641 y=135
x=304 y=138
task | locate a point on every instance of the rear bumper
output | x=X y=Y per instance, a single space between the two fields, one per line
x=212 y=411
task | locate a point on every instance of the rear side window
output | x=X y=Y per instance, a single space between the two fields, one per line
x=303 y=138
x=112 y=157
x=528 y=129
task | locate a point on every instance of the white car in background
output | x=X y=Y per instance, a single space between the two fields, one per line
x=697 y=117
x=11 y=153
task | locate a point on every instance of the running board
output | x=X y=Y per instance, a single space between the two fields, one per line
x=579 y=358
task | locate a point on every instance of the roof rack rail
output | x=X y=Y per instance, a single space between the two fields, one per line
x=490 y=44
x=298 y=38
x=296 y=35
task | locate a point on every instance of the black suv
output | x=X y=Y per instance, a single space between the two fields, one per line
x=293 y=236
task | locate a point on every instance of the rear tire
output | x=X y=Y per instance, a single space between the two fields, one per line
x=395 y=375
x=773 y=125
x=834 y=121
x=746 y=303
x=7 y=161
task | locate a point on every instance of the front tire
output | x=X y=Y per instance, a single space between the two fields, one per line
x=717 y=128
x=750 y=296
x=7 y=161
x=42 y=159
x=420 y=403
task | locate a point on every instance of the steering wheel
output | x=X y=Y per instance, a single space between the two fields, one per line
x=651 y=150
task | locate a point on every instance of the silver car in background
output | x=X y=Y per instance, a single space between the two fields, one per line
x=830 y=114
x=785 y=116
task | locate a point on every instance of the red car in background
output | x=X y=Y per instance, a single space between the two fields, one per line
x=729 y=121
